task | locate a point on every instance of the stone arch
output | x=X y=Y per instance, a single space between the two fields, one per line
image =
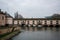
x=51 y=26
x=57 y=26
x=45 y=25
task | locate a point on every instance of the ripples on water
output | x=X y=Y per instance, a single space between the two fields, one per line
x=34 y=33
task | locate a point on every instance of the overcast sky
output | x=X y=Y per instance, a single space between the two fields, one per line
x=31 y=8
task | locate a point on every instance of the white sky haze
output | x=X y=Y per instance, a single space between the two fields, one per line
x=31 y=8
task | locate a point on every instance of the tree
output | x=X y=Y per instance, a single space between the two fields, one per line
x=54 y=16
x=17 y=16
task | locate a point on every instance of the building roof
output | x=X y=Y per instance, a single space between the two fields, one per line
x=5 y=13
x=8 y=15
x=2 y=13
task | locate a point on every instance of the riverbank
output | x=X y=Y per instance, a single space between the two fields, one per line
x=10 y=35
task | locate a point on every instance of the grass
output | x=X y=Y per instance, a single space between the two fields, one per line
x=5 y=34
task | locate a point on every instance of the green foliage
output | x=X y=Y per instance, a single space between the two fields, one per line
x=4 y=34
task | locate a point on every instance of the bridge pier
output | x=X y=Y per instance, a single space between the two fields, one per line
x=35 y=28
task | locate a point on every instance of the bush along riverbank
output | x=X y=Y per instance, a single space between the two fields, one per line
x=9 y=35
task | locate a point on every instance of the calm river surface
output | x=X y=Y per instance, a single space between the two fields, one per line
x=42 y=34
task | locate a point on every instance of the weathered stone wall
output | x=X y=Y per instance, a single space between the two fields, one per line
x=6 y=30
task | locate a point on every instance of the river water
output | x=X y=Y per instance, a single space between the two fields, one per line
x=38 y=34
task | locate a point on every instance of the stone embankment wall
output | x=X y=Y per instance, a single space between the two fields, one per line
x=7 y=30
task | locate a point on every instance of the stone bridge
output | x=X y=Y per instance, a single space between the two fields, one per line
x=38 y=22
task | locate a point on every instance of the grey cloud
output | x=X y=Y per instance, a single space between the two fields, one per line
x=31 y=8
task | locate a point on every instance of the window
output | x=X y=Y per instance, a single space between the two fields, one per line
x=2 y=17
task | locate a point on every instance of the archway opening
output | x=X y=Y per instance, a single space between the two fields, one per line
x=45 y=25
x=57 y=26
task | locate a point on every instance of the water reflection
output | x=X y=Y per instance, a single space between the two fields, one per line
x=39 y=33
x=40 y=28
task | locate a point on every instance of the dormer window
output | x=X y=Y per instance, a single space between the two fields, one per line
x=2 y=17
